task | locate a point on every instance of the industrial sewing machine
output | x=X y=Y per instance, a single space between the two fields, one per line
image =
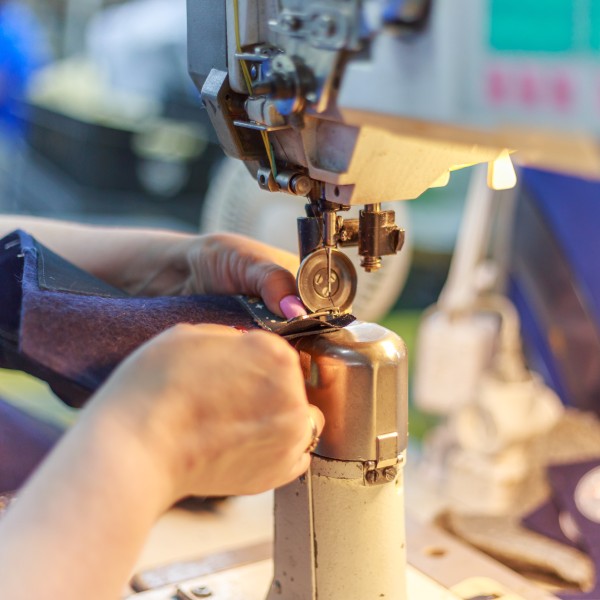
x=350 y=102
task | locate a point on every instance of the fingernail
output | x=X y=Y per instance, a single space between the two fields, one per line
x=292 y=307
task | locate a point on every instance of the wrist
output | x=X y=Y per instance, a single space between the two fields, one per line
x=140 y=458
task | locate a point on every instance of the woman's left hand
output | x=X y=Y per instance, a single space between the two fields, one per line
x=224 y=264
x=166 y=263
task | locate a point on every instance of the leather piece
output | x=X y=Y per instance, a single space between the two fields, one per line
x=11 y=296
x=56 y=274
x=295 y=328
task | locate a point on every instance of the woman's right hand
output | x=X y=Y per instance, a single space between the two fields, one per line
x=221 y=412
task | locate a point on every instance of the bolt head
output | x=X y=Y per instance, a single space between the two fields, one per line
x=201 y=592
x=390 y=473
x=372 y=477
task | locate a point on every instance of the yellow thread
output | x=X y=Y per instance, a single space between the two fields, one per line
x=248 y=80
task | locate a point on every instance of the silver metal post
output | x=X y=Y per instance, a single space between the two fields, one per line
x=339 y=530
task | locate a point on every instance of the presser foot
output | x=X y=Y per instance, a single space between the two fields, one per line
x=327 y=282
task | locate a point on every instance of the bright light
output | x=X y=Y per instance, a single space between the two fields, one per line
x=501 y=173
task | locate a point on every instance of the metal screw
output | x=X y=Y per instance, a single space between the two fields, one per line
x=390 y=473
x=202 y=592
x=372 y=477
x=253 y=72
x=371 y=263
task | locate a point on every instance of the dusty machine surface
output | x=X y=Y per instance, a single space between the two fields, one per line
x=350 y=102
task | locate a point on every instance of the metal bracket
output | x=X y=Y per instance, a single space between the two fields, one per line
x=386 y=473
x=375 y=476
x=388 y=447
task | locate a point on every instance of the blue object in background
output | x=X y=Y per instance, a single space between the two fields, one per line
x=23 y=50
x=555 y=282
x=413 y=14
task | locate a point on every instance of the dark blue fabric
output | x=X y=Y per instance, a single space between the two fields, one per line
x=74 y=340
x=24 y=442
x=564 y=481
x=545 y=520
x=556 y=282
x=540 y=357
x=11 y=270
x=571 y=207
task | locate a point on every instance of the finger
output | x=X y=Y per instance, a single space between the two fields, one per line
x=272 y=283
x=300 y=467
x=292 y=307
x=266 y=253
x=213 y=329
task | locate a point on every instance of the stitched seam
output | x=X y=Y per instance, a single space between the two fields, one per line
x=43 y=261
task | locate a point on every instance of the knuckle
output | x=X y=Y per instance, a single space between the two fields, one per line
x=179 y=331
x=260 y=342
x=219 y=240
x=279 y=351
x=276 y=274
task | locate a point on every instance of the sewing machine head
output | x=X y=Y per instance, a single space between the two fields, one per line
x=351 y=102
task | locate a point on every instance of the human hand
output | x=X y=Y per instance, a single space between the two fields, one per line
x=165 y=263
x=233 y=264
x=220 y=412
x=221 y=263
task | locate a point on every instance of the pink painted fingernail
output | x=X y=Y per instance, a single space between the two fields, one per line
x=292 y=307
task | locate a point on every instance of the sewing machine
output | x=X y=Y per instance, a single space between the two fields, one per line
x=349 y=102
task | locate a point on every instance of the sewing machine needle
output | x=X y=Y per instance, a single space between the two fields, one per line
x=329 y=273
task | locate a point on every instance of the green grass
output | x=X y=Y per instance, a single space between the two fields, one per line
x=35 y=398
